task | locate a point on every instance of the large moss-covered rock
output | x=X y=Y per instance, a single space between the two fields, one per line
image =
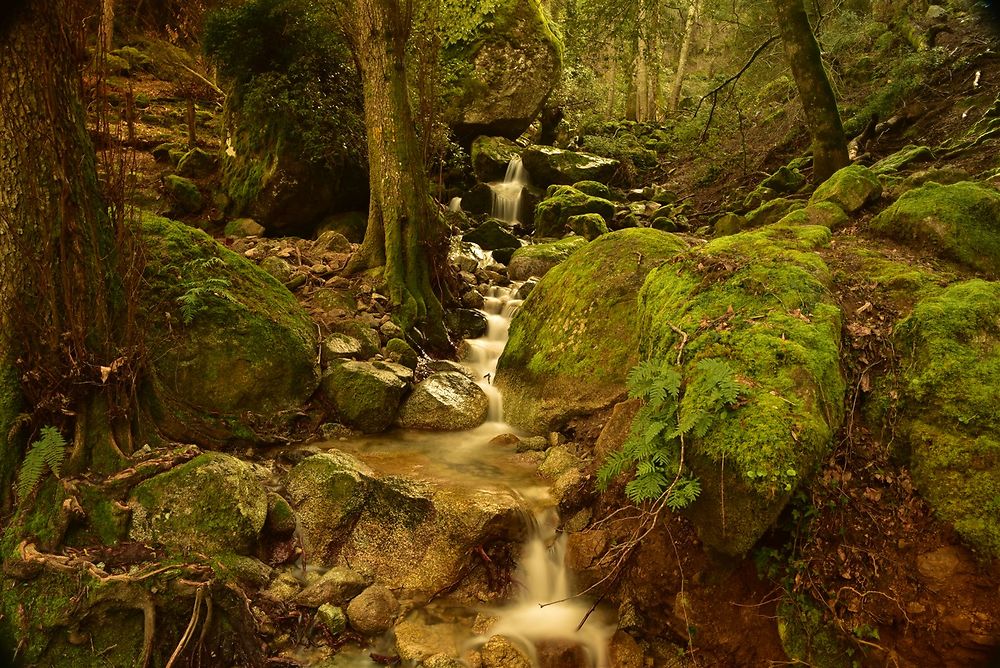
x=851 y=188
x=226 y=338
x=404 y=533
x=959 y=222
x=576 y=335
x=363 y=396
x=446 y=401
x=548 y=166
x=949 y=394
x=561 y=203
x=491 y=156
x=212 y=504
x=536 y=260
x=772 y=318
x=506 y=60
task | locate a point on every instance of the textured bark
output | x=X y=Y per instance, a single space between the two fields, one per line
x=403 y=224
x=61 y=290
x=815 y=92
x=682 y=59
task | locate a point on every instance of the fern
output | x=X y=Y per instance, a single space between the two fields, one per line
x=671 y=412
x=47 y=453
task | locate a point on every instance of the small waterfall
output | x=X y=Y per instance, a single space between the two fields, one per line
x=507 y=194
x=483 y=353
x=545 y=608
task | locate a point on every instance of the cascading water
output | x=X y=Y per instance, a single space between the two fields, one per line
x=507 y=194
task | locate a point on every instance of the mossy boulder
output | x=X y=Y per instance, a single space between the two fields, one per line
x=904 y=157
x=552 y=166
x=183 y=193
x=561 y=202
x=491 y=156
x=228 y=339
x=949 y=391
x=535 y=260
x=851 y=188
x=212 y=504
x=827 y=214
x=445 y=401
x=576 y=335
x=587 y=225
x=363 y=396
x=959 y=222
x=197 y=164
x=506 y=60
x=394 y=531
x=772 y=318
x=770 y=212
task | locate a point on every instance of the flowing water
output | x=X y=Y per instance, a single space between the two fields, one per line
x=544 y=607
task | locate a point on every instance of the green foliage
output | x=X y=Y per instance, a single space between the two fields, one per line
x=672 y=411
x=198 y=294
x=45 y=454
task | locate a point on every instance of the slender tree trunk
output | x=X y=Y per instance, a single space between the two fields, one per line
x=403 y=225
x=682 y=60
x=62 y=293
x=815 y=92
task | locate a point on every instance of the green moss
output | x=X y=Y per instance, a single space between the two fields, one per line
x=552 y=213
x=761 y=301
x=212 y=504
x=249 y=347
x=959 y=222
x=851 y=188
x=575 y=337
x=950 y=392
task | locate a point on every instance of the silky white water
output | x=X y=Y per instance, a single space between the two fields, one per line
x=507 y=193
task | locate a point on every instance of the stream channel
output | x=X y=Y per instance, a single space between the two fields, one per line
x=542 y=606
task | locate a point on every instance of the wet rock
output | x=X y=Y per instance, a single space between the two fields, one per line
x=398 y=350
x=537 y=259
x=338 y=347
x=211 y=504
x=578 y=330
x=500 y=652
x=417 y=641
x=491 y=235
x=373 y=611
x=465 y=323
x=490 y=157
x=332 y=618
x=338 y=585
x=243 y=227
x=445 y=401
x=850 y=188
x=364 y=396
x=548 y=166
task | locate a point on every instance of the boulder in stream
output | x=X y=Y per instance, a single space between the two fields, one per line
x=445 y=401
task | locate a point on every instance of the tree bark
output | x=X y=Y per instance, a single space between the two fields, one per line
x=815 y=92
x=403 y=226
x=689 y=29
x=62 y=294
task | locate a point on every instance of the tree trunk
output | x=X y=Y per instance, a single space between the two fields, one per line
x=682 y=59
x=403 y=226
x=815 y=92
x=62 y=294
